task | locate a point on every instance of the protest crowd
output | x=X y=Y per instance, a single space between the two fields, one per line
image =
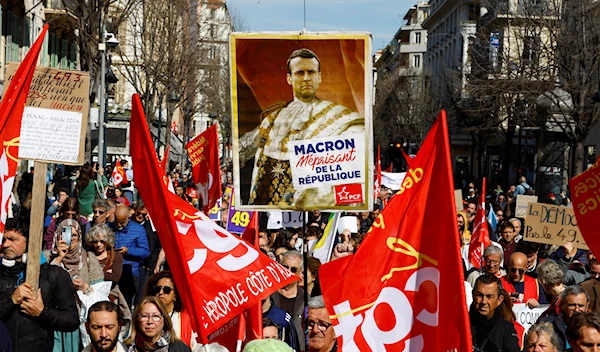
x=108 y=286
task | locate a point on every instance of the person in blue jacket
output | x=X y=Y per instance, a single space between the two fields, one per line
x=131 y=241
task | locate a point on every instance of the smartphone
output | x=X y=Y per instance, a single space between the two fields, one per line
x=67 y=233
x=514 y=294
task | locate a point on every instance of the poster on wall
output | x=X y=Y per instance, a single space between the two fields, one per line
x=302 y=121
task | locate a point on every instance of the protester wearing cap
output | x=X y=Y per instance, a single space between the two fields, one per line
x=291 y=297
x=162 y=286
x=490 y=332
x=31 y=321
x=572 y=301
x=523 y=288
x=321 y=336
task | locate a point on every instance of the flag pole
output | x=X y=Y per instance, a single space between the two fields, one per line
x=305 y=259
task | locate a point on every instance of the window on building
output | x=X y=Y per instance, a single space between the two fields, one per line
x=213 y=30
x=417 y=61
x=531 y=50
x=418 y=37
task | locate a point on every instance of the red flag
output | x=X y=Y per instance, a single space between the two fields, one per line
x=390 y=168
x=118 y=174
x=218 y=275
x=163 y=161
x=250 y=234
x=206 y=170
x=403 y=289
x=11 y=109
x=481 y=237
x=586 y=201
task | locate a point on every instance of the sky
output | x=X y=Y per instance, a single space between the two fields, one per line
x=382 y=18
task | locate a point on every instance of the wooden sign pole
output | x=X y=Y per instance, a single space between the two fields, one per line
x=36 y=225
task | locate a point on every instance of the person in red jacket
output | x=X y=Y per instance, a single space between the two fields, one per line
x=522 y=288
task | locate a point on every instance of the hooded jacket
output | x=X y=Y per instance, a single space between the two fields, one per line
x=36 y=334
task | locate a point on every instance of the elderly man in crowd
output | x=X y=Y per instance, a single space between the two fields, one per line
x=572 y=301
x=321 y=337
x=492 y=264
x=522 y=288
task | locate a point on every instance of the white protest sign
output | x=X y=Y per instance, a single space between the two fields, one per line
x=50 y=135
x=275 y=220
x=331 y=161
x=527 y=316
x=458 y=198
x=348 y=222
x=392 y=180
x=522 y=203
x=292 y=219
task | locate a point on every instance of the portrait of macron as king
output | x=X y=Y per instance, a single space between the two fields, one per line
x=293 y=90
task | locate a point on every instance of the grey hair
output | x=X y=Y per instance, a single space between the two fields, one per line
x=549 y=273
x=100 y=232
x=294 y=254
x=573 y=290
x=316 y=302
x=543 y=328
x=100 y=203
x=511 y=220
x=492 y=250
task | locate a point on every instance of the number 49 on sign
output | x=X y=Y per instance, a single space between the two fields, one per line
x=238 y=221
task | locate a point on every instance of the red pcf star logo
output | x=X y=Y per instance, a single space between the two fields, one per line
x=348 y=194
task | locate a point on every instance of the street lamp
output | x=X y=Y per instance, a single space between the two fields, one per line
x=108 y=40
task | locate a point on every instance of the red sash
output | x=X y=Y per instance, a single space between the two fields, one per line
x=520 y=333
x=531 y=287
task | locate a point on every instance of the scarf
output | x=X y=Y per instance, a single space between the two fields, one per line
x=73 y=263
x=161 y=345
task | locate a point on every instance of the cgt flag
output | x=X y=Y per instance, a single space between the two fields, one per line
x=206 y=171
x=11 y=113
x=118 y=174
x=586 y=204
x=481 y=237
x=403 y=289
x=218 y=275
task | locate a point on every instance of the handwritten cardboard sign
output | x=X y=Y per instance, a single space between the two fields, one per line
x=50 y=135
x=458 y=199
x=522 y=203
x=552 y=224
x=55 y=89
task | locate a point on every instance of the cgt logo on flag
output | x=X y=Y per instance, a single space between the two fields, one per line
x=348 y=194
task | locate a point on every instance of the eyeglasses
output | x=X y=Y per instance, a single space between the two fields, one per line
x=71 y=214
x=166 y=289
x=145 y=317
x=492 y=262
x=99 y=212
x=293 y=269
x=514 y=270
x=323 y=326
x=141 y=214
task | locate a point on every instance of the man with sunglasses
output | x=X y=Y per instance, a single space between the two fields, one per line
x=101 y=213
x=291 y=297
x=321 y=336
x=522 y=288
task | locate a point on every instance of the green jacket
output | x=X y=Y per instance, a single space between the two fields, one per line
x=88 y=195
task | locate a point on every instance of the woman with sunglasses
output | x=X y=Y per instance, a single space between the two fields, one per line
x=162 y=286
x=68 y=210
x=153 y=330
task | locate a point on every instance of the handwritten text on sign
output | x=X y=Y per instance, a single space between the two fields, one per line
x=50 y=135
x=552 y=224
x=332 y=161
